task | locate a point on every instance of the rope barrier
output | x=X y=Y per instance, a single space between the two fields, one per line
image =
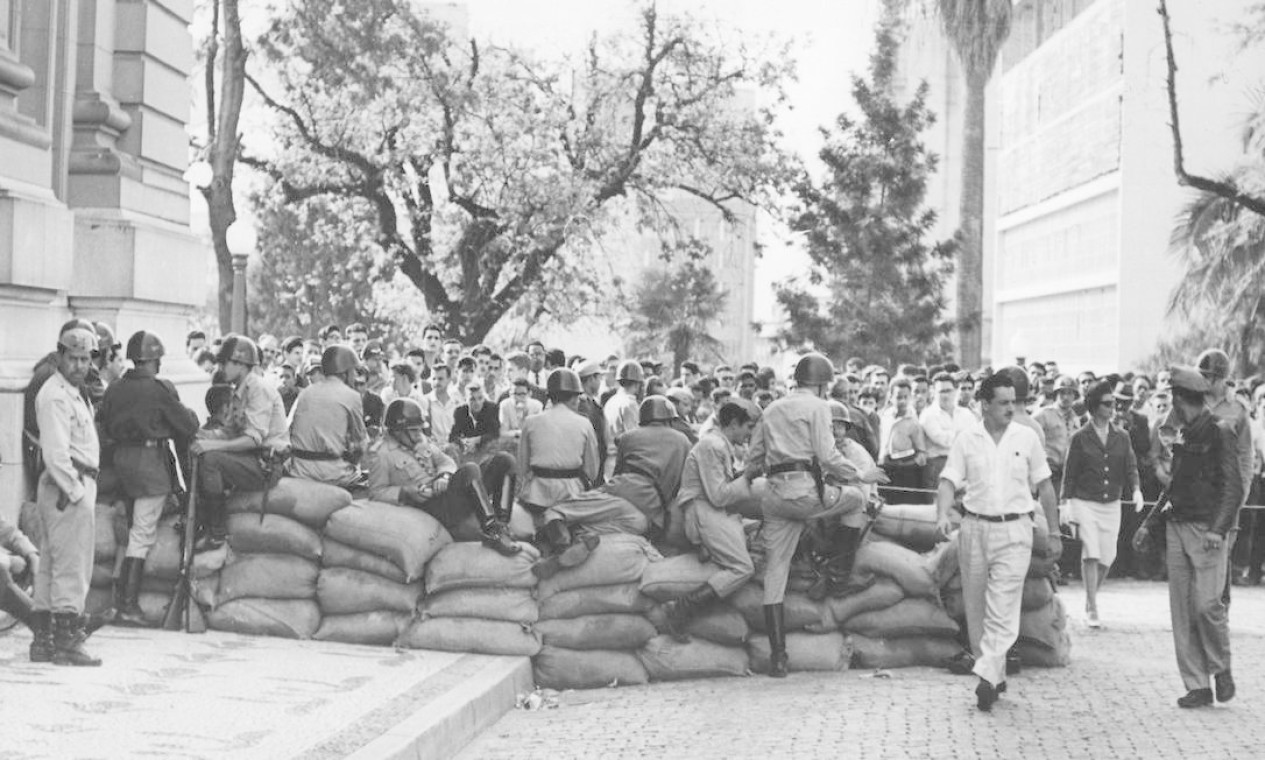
x=930 y=491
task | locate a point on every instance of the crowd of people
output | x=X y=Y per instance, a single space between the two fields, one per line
x=592 y=447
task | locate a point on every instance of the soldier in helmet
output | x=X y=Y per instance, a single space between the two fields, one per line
x=142 y=415
x=557 y=449
x=1214 y=365
x=408 y=468
x=648 y=465
x=794 y=445
x=1059 y=421
x=237 y=455
x=621 y=409
x=327 y=425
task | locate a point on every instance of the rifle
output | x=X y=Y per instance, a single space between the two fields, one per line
x=1153 y=515
x=183 y=611
x=873 y=509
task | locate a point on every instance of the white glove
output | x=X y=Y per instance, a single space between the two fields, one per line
x=1137 y=501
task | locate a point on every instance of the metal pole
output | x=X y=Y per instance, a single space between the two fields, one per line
x=239 y=293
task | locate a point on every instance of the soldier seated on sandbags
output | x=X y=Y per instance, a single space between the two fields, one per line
x=408 y=468
x=327 y=425
x=648 y=465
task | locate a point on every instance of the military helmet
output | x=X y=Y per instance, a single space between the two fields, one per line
x=105 y=338
x=839 y=412
x=563 y=380
x=1214 y=364
x=240 y=349
x=403 y=414
x=1019 y=379
x=144 y=346
x=814 y=369
x=338 y=359
x=655 y=409
x=630 y=371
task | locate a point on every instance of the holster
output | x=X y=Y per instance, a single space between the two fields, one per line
x=819 y=480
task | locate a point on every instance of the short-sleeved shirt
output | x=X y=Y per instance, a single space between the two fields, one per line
x=999 y=476
x=256 y=411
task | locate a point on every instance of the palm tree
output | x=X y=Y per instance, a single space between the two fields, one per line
x=977 y=30
x=673 y=313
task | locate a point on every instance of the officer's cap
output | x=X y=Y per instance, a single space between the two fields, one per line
x=78 y=339
x=1189 y=379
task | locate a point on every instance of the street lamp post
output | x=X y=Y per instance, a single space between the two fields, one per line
x=241 y=241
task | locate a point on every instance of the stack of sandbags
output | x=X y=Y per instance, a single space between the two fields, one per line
x=477 y=600
x=717 y=637
x=592 y=620
x=813 y=640
x=109 y=543
x=911 y=525
x=373 y=559
x=268 y=586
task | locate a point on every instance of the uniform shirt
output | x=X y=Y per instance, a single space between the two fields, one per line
x=1231 y=411
x=142 y=407
x=657 y=451
x=797 y=428
x=328 y=418
x=709 y=474
x=940 y=428
x=67 y=434
x=393 y=466
x=592 y=409
x=512 y=416
x=441 y=414
x=999 y=476
x=1058 y=426
x=558 y=439
x=1205 y=486
x=254 y=410
x=1098 y=471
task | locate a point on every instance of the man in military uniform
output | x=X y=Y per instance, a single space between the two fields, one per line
x=66 y=499
x=142 y=415
x=408 y=468
x=327 y=428
x=239 y=455
x=1204 y=495
x=557 y=449
x=591 y=407
x=1214 y=365
x=793 y=442
x=621 y=409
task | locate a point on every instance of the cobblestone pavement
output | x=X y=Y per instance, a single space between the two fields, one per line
x=1115 y=700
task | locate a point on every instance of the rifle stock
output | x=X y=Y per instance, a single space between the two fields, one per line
x=183 y=611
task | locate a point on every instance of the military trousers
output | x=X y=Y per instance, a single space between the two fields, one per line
x=720 y=533
x=66 y=540
x=790 y=502
x=1201 y=626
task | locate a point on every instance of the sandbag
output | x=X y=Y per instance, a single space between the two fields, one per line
x=1041 y=566
x=666 y=659
x=908 y=617
x=275 y=534
x=513 y=605
x=906 y=652
x=798 y=610
x=268 y=576
x=942 y=561
x=406 y=536
x=204 y=589
x=883 y=594
x=669 y=578
x=597 y=632
x=105 y=546
x=556 y=668
x=380 y=628
x=471 y=635
x=99 y=600
x=911 y=525
x=308 y=501
x=804 y=651
x=154 y=605
x=954 y=603
x=1046 y=626
x=619 y=558
x=468 y=564
x=1040 y=656
x=902 y=565
x=344 y=591
x=337 y=554
x=720 y=625
x=163 y=560
x=596 y=600
x=285 y=618
x=1037 y=593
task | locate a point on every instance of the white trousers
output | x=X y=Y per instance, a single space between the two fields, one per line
x=994 y=559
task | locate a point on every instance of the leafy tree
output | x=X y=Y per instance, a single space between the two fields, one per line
x=876 y=285
x=486 y=169
x=674 y=311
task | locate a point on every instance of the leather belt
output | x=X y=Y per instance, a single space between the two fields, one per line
x=147 y=443
x=778 y=469
x=1008 y=517
x=316 y=456
x=85 y=470
x=553 y=473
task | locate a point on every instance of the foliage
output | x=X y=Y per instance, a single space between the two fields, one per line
x=487 y=170
x=866 y=228
x=673 y=311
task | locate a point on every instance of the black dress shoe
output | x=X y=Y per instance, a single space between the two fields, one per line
x=1225 y=686
x=1001 y=689
x=1196 y=698
x=962 y=664
x=985 y=696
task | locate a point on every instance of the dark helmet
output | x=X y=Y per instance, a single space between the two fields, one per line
x=839 y=412
x=338 y=359
x=563 y=380
x=630 y=371
x=105 y=338
x=1019 y=379
x=1213 y=364
x=240 y=349
x=814 y=369
x=655 y=409
x=144 y=346
x=403 y=414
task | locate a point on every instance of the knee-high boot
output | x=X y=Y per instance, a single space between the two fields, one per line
x=775 y=624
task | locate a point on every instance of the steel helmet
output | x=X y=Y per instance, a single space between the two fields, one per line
x=563 y=380
x=1019 y=379
x=839 y=412
x=630 y=371
x=105 y=338
x=814 y=369
x=403 y=414
x=1066 y=383
x=337 y=360
x=655 y=409
x=1214 y=364
x=240 y=349
x=144 y=346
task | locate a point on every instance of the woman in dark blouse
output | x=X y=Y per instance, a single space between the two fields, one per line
x=1100 y=465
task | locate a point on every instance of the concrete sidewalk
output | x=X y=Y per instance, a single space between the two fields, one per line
x=219 y=695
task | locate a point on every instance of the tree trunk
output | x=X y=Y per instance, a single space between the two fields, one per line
x=222 y=154
x=970 y=265
x=224 y=265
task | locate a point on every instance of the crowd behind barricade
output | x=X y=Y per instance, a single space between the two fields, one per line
x=690 y=457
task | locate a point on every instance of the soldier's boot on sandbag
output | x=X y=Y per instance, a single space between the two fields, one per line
x=130 y=608
x=835 y=576
x=68 y=639
x=42 y=628
x=214 y=528
x=495 y=535
x=775 y=624
x=564 y=552
x=681 y=610
x=504 y=502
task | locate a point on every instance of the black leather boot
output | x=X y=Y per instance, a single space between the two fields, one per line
x=214 y=522
x=130 y=608
x=682 y=609
x=835 y=574
x=68 y=638
x=42 y=627
x=775 y=624
x=495 y=535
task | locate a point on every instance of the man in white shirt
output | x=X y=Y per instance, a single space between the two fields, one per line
x=517 y=408
x=941 y=421
x=440 y=404
x=999 y=464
